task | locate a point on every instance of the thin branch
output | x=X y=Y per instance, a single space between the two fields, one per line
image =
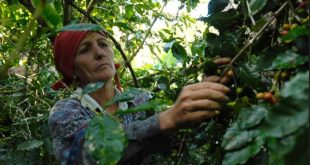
x=11 y=92
x=165 y=66
x=89 y=9
x=67 y=13
x=250 y=12
x=145 y=37
x=117 y=45
x=28 y=5
x=253 y=39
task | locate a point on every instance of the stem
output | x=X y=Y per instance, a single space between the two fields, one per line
x=253 y=39
x=117 y=45
x=89 y=9
x=250 y=12
x=165 y=66
x=67 y=13
x=144 y=39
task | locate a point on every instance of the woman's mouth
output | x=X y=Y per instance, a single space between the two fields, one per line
x=102 y=67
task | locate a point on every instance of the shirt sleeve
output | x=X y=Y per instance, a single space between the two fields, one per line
x=144 y=138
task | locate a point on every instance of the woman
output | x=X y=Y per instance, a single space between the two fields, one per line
x=84 y=57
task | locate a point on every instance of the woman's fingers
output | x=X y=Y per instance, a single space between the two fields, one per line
x=222 y=61
x=203 y=85
x=214 y=78
x=205 y=104
x=210 y=79
x=200 y=115
x=225 y=80
x=208 y=94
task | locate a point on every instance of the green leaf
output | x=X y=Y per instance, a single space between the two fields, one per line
x=58 y=5
x=105 y=139
x=288 y=60
x=51 y=15
x=250 y=117
x=191 y=4
x=241 y=156
x=257 y=5
x=278 y=148
x=259 y=24
x=12 y=2
x=153 y=105
x=129 y=11
x=295 y=33
x=222 y=20
x=179 y=52
x=215 y=6
x=124 y=26
x=249 y=76
x=92 y=87
x=235 y=138
x=127 y=95
x=198 y=48
x=30 y=145
x=297 y=87
x=82 y=27
x=169 y=45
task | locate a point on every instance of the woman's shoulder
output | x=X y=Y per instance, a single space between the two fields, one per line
x=68 y=104
x=69 y=107
x=69 y=114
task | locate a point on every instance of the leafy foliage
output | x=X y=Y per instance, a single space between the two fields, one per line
x=105 y=139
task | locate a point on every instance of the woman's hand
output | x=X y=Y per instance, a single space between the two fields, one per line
x=196 y=102
x=213 y=78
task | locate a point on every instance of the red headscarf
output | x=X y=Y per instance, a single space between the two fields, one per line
x=64 y=50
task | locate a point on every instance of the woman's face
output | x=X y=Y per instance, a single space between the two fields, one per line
x=94 y=60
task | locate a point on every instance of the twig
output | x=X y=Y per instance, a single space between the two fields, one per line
x=253 y=39
x=145 y=37
x=89 y=9
x=165 y=66
x=67 y=13
x=11 y=92
x=184 y=139
x=250 y=12
x=117 y=45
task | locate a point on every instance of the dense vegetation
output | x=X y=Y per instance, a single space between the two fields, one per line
x=265 y=122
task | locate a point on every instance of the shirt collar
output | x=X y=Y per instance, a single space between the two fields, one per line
x=88 y=102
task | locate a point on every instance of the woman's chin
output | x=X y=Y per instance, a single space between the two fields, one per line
x=105 y=78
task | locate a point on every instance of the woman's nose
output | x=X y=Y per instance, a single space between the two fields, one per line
x=98 y=53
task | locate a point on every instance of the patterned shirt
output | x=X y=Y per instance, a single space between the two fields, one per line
x=68 y=120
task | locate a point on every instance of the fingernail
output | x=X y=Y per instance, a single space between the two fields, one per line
x=217 y=112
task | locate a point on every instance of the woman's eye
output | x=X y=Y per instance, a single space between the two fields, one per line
x=103 y=44
x=83 y=50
